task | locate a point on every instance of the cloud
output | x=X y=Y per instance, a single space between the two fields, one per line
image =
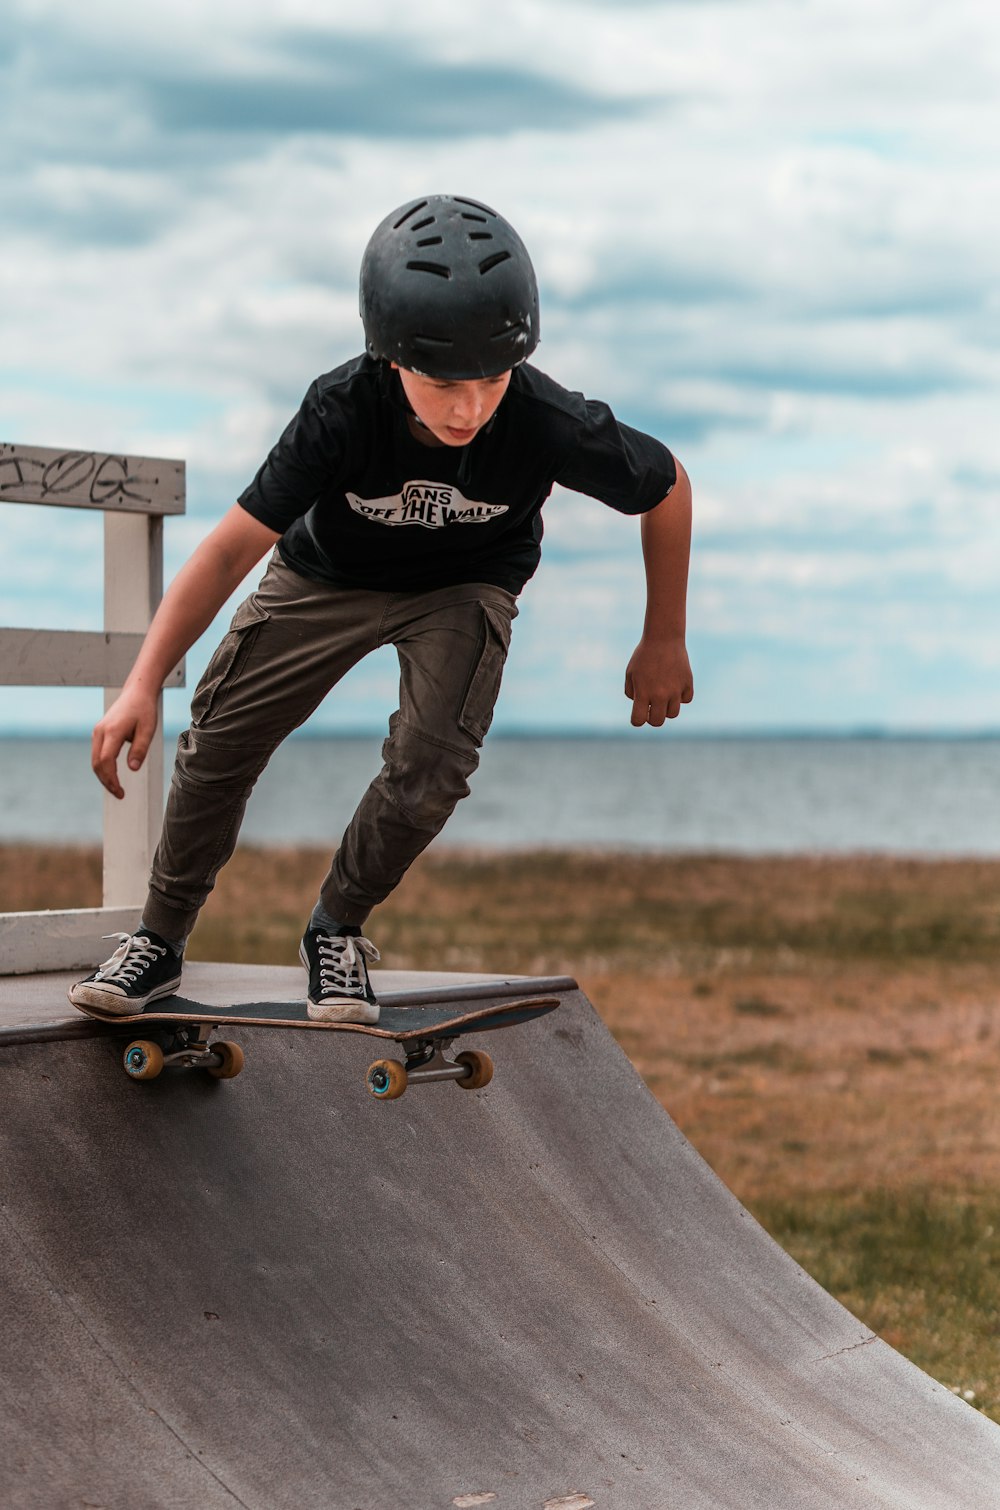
x=282 y=82
x=365 y=86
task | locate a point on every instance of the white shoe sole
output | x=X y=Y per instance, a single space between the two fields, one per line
x=344 y=1011
x=86 y=994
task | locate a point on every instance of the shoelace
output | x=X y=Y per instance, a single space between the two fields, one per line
x=133 y=955
x=342 y=962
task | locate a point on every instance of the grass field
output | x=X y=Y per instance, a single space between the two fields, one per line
x=826 y=1032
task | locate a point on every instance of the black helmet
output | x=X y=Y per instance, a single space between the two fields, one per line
x=448 y=290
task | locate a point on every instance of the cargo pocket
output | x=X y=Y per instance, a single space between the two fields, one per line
x=484 y=684
x=228 y=661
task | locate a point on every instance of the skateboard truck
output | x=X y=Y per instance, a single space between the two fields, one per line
x=426 y=1060
x=185 y=1048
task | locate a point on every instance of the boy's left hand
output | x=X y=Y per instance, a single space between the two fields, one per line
x=658 y=680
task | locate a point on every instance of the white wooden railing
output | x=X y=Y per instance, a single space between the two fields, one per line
x=134 y=493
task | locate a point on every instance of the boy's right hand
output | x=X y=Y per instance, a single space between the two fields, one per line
x=130 y=720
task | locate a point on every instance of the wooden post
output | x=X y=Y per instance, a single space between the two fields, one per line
x=133 y=586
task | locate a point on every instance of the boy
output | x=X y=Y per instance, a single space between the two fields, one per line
x=402 y=505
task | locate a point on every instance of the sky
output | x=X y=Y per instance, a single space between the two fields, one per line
x=764 y=230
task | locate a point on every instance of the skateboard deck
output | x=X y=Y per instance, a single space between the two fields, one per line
x=177 y=1033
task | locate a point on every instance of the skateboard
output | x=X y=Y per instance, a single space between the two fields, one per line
x=179 y=1036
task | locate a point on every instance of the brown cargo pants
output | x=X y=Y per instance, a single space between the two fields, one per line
x=288 y=645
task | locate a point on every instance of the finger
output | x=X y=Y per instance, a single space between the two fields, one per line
x=629 y=685
x=107 y=775
x=104 y=760
x=96 y=747
x=639 y=712
x=139 y=748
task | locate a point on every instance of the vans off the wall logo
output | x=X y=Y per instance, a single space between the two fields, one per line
x=431 y=504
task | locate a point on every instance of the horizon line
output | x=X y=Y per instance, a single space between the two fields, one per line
x=570 y=732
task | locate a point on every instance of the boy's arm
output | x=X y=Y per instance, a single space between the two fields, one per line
x=189 y=605
x=659 y=677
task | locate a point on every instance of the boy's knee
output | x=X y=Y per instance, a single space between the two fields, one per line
x=423 y=778
x=200 y=762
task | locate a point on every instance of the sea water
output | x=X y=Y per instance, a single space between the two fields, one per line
x=757 y=795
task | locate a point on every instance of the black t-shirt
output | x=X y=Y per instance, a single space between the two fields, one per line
x=361 y=502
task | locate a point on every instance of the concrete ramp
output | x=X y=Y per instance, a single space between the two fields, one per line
x=279 y=1294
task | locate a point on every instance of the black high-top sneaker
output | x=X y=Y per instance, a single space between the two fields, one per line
x=142 y=969
x=339 y=987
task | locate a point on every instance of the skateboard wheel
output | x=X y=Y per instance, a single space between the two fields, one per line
x=143 y=1060
x=480 y=1069
x=386 y=1079
x=232 y=1060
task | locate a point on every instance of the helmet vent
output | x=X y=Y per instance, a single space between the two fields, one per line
x=433 y=340
x=437 y=268
x=413 y=210
x=419 y=224
x=494 y=261
x=480 y=235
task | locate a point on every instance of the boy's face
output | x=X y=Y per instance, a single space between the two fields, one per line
x=453 y=411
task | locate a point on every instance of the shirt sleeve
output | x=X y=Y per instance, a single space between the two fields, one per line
x=624 y=468
x=310 y=455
